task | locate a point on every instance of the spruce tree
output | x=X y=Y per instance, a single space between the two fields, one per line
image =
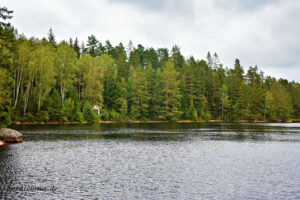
x=171 y=105
x=51 y=37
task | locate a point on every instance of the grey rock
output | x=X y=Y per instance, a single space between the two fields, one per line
x=8 y=135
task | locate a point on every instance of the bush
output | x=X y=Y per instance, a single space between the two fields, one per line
x=68 y=109
x=88 y=114
x=78 y=116
x=42 y=116
x=29 y=117
x=114 y=115
x=105 y=114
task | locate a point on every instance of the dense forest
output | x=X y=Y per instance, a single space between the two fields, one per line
x=43 y=80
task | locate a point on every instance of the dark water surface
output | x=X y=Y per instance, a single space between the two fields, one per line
x=153 y=161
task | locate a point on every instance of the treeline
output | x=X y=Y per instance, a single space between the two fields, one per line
x=42 y=80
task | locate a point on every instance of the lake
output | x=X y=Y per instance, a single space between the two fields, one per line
x=153 y=161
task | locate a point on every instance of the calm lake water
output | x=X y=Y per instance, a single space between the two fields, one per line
x=153 y=161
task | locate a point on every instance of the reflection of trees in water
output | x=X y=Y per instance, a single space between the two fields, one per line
x=155 y=131
x=242 y=132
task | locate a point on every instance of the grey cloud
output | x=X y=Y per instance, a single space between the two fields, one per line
x=263 y=33
x=172 y=7
x=244 y=5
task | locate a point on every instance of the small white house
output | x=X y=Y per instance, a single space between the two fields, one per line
x=97 y=109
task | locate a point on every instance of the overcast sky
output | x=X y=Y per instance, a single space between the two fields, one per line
x=265 y=33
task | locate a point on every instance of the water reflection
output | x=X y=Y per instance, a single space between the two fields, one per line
x=163 y=132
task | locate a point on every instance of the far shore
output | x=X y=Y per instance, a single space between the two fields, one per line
x=150 y=122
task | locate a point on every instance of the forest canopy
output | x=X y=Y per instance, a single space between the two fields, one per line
x=46 y=80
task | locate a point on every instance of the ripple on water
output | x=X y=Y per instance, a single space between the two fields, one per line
x=161 y=161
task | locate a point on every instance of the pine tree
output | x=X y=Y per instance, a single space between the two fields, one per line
x=171 y=105
x=93 y=46
x=177 y=58
x=140 y=95
x=120 y=57
x=76 y=47
x=121 y=102
x=7 y=54
x=150 y=74
x=235 y=83
x=51 y=37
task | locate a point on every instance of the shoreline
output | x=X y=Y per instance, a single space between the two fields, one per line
x=148 y=122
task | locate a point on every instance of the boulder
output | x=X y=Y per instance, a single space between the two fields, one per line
x=8 y=135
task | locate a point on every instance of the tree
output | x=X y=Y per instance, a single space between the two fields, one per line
x=76 y=113
x=235 y=82
x=22 y=68
x=89 y=116
x=76 y=47
x=121 y=102
x=7 y=54
x=108 y=48
x=120 y=58
x=129 y=48
x=200 y=93
x=55 y=107
x=65 y=66
x=93 y=81
x=4 y=15
x=163 y=55
x=51 y=37
x=93 y=46
x=5 y=102
x=151 y=57
x=71 y=42
x=150 y=74
x=44 y=77
x=171 y=104
x=256 y=93
x=177 y=58
x=278 y=103
x=224 y=100
x=139 y=95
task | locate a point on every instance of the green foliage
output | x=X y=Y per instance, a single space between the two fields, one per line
x=42 y=116
x=69 y=108
x=51 y=37
x=7 y=54
x=44 y=74
x=5 y=102
x=278 y=103
x=121 y=102
x=93 y=46
x=171 y=104
x=55 y=107
x=65 y=60
x=29 y=117
x=44 y=80
x=88 y=114
x=139 y=94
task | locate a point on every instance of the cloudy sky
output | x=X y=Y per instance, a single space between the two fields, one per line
x=265 y=33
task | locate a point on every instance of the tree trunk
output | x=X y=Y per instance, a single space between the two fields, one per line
x=18 y=87
x=26 y=97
